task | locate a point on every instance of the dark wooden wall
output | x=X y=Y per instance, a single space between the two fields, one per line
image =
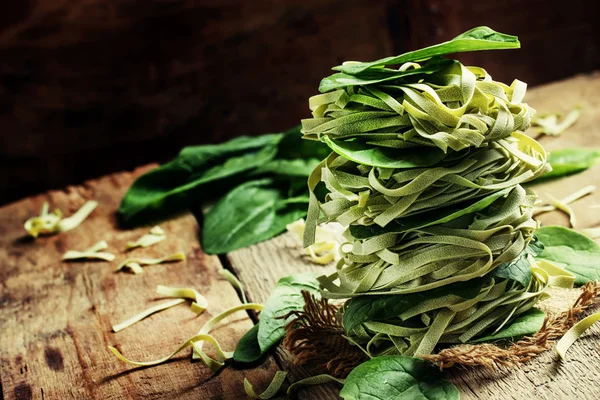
x=88 y=87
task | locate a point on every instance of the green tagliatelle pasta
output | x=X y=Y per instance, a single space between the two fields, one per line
x=410 y=260
x=425 y=172
x=455 y=108
x=451 y=318
x=365 y=195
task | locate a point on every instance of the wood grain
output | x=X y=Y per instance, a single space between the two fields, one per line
x=260 y=266
x=56 y=317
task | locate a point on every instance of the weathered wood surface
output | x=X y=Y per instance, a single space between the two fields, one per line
x=260 y=266
x=56 y=317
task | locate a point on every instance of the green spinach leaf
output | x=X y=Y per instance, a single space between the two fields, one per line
x=251 y=213
x=166 y=186
x=363 y=153
x=371 y=77
x=247 y=349
x=397 y=377
x=282 y=167
x=480 y=38
x=527 y=323
x=566 y=162
x=285 y=297
x=379 y=308
x=519 y=269
x=572 y=251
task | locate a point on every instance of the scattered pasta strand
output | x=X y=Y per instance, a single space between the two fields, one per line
x=157 y=234
x=314 y=380
x=93 y=252
x=593 y=233
x=271 y=390
x=564 y=207
x=199 y=302
x=235 y=282
x=548 y=124
x=134 y=264
x=76 y=219
x=574 y=333
x=563 y=204
x=187 y=343
x=138 y=317
x=216 y=364
x=328 y=238
x=50 y=223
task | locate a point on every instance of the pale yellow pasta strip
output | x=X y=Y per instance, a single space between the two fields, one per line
x=157 y=234
x=213 y=364
x=134 y=263
x=199 y=302
x=271 y=391
x=185 y=344
x=66 y=224
x=138 y=317
x=235 y=282
x=574 y=333
x=593 y=233
x=92 y=252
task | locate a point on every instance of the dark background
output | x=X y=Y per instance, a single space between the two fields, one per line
x=90 y=87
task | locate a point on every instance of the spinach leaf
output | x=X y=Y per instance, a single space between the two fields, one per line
x=247 y=349
x=379 y=308
x=566 y=162
x=519 y=269
x=397 y=377
x=572 y=251
x=433 y=217
x=285 y=297
x=251 y=213
x=527 y=323
x=363 y=153
x=282 y=167
x=341 y=79
x=480 y=38
x=166 y=187
x=293 y=146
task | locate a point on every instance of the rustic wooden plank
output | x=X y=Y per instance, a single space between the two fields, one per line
x=56 y=317
x=260 y=266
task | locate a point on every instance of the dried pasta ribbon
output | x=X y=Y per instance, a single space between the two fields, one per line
x=464 y=108
x=135 y=264
x=93 y=252
x=50 y=223
x=276 y=383
x=197 y=342
x=187 y=343
x=157 y=234
x=415 y=259
x=199 y=304
x=327 y=241
x=563 y=204
x=574 y=333
x=453 y=319
x=219 y=362
x=548 y=124
x=138 y=317
x=235 y=282
x=593 y=233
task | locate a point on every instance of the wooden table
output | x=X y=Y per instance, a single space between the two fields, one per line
x=56 y=317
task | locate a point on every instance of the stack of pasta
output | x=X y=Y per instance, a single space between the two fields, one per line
x=425 y=172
